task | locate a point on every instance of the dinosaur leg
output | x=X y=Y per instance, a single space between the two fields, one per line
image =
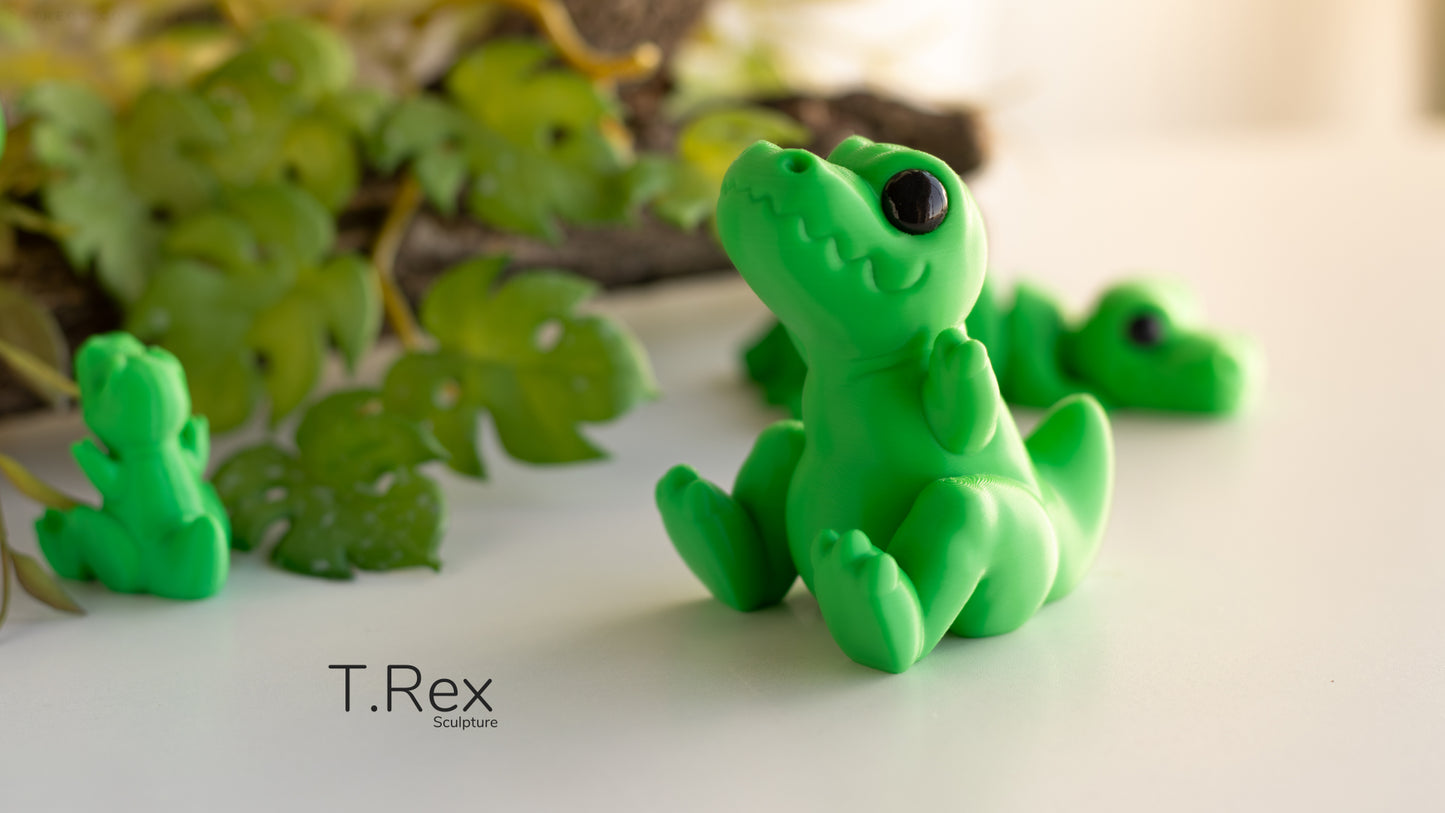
x=82 y=542
x=1073 y=450
x=737 y=546
x=975 y=553
x=61 y=547
x=194 y=561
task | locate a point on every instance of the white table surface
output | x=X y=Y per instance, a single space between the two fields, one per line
x=1263 y=629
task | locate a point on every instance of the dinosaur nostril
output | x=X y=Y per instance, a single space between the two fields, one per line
x=797 y=161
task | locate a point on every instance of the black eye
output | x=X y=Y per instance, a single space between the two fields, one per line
x=1146 y=329
x=914 y=201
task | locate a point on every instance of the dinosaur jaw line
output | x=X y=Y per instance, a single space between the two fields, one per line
x=880 y=271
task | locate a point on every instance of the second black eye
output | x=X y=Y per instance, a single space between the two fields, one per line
x=914 y=201
x=1146 y=329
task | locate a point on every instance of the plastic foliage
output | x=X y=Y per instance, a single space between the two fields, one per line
x=248 y=298
x=520 y=351
x=288 y=111
x=350 y=496
x=20 y=178
x=280 y=110
x=706 y=146
x=107 y=225
x=524 y=142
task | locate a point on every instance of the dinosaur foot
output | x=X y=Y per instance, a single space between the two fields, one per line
x=718 y=541
x=869 y=605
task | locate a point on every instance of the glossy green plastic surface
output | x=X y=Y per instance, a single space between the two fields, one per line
x=905 y=497
x=1143 y=346
x=160 y=527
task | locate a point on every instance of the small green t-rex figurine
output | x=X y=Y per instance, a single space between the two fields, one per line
x=905 y=498
x=1141 y=347
x=161 y=528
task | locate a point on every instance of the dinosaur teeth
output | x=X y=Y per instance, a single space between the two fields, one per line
x=863 y=266
x=832 y=256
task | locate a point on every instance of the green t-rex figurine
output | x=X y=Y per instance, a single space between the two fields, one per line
x=1141 y=347
x=905 y=498
x=161 y=528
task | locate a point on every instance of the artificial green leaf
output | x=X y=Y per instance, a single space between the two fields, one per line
x=339 y=301
x=290 y=224
x=284 y=104
x=323 y=159
x=163 y=140
x=256 y=116
x=305 y=57
x=42 y=586
x=75 y=129
x=540 y=143
x=105 y=221
x=203 y=314
x=357 y=110
x=521 y=352
x=445 y=390
x=217 y=237
x=350 y=496
x=26 y=325
x=248 y=302
x=441 y=143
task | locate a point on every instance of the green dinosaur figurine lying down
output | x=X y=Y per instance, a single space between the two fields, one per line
x=1140 y=348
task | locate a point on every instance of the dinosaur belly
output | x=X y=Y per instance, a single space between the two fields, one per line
x=863 y=468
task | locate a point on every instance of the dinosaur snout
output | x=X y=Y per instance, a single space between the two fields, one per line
x=797 y=162
x=1235 y=369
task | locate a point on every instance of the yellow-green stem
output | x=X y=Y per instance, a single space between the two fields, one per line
x=383 y=258
x=4 y=571
x=33 y=487
x=36 y=370
x=552 y=17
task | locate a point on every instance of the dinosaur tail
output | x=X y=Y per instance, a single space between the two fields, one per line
x=1073 y=451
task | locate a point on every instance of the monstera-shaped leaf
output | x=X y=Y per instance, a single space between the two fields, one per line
x=105 y=222
x=286 y=111
x=706 y=147
x=520 y=352
x=248 y=299
x=351 y=495
x=164 y=141
x=537 y=142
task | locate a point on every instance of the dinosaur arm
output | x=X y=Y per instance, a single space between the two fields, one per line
x=196 y=443
x=960 y=394
x=1036 y=376
x=99 y=468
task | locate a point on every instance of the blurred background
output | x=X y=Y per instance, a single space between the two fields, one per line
x=1071 y=70
x=1024 y=99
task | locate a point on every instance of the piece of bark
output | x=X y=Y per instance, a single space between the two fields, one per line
x=957 y=137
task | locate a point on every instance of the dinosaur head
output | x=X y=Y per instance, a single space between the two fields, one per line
x=1142 y=347
x=131 y=396
x=861 y=253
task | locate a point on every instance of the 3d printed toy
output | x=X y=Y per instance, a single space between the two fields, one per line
x=905 y=498
x=1141 y=347
x=161 y=528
